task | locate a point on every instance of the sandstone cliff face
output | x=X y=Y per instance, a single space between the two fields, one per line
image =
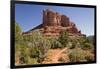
x=51 y=18
x=53 y=23
x=65 y=21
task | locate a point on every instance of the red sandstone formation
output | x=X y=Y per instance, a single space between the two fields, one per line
x=53 y=23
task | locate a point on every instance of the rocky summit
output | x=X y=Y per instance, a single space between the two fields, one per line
x=53 y=23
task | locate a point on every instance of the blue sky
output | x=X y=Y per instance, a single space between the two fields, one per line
x=29 y=16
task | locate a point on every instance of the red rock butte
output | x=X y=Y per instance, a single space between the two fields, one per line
x=53 y=23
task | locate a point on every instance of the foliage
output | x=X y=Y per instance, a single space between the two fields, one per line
x=63 y=38
x=74 y=43
x=38 y=45
x=81 y=42
x=33 y=52
x=77 y=55
x=22 y=53
x=87 y=46
x=18 y=32
x=32 y=61
x=17 y=29
x=54 y=43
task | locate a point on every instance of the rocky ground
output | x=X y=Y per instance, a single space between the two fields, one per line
x=56 y=56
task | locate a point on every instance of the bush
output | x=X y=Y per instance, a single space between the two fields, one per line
x=77 y=55
x=32 y=61
x=17 y=54
x=55 y=44
x=24 y=55
x=40 y=45
x=21 y=54
x=34 y=52
x=87 y=46
x=73 y=44
x=18 y=32
x=63 y=38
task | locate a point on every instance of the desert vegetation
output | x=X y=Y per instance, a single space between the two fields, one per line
x=36 y=48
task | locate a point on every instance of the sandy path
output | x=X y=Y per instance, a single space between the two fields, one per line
x=53 y=55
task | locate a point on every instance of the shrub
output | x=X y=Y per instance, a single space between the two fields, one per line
x=32 y=61
x=40 y=45
x=18 y=32
x=63 y=38
x=21 y=54
x=74 y=43
x=87 y=46
x=17 y=54
x=24 y=55
x=34 y=52
x=55 y=44
x=77 y=55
